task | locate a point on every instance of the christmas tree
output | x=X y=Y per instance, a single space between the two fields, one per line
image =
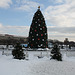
x=55 y=53
x=38 y=31
x=18 y=52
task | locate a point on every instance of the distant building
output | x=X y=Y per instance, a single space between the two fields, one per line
x=12 y=39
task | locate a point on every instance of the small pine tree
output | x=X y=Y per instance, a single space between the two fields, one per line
x=18 y=52
x=55 y=53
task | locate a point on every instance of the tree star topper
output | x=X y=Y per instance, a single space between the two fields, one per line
x=39 y=7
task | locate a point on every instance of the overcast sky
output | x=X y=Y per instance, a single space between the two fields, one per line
x=16 y=17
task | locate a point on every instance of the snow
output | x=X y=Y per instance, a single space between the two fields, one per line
x=36 y=66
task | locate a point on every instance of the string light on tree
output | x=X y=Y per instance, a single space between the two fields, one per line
x=36 y=34
x=39 y=24
x=40 y=28
x=45 y=33
x=35 y=22
x=38 y=19
x=31 y=32
x=42 y=39
x=41 y=44
x=33 y=39
x=38 y=14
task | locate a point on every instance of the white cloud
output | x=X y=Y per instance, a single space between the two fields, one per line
x=14 y=30
x=27 y=5
x=61 y=15
x=59 y=33
x=5 y=3
x=56 y=1
x=0 y=25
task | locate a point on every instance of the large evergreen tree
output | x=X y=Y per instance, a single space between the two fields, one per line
x=38 y=32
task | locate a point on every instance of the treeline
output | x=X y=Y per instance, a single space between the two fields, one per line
x=65 y=42
x=12 y=41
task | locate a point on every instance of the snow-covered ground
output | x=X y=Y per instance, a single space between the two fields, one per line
x=37 y=66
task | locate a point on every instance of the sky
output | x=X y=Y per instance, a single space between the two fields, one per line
x=16 y=17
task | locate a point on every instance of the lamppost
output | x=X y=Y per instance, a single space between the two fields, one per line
x=7 y=45
x=66 y=42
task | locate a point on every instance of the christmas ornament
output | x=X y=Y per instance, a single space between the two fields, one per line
x=41 y=34
x=35 y=30
x=38 y=38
